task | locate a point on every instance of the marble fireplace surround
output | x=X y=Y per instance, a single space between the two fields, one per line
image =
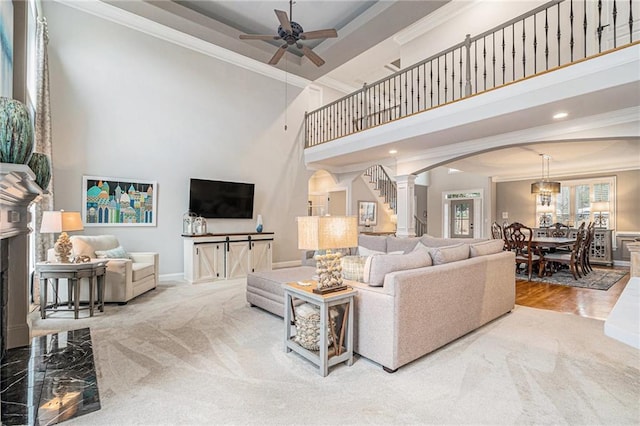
x=18 y=190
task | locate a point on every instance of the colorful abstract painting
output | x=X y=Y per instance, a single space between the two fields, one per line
x=118 y=202
x=6 y=49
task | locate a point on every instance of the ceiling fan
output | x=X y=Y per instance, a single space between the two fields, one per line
x=292 y=33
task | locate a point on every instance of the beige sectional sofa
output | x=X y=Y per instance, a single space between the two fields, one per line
x=403 y=314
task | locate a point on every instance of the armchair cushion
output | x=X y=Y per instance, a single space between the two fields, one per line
x=86 y=245
x=114 y=253
x=142 y=270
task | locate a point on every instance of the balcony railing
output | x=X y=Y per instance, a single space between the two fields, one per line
x=553 y=35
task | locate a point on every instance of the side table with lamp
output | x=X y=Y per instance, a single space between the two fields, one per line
x=318 y=340
x=73 y=271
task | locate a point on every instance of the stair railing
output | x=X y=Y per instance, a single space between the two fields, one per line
x=548 y=37
x=421 y=226
x=385 y=186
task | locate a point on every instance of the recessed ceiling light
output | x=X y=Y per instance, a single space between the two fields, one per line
x=393 y=151
x=560 y=115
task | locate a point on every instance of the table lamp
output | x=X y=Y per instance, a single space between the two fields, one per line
x=600 y=220
x=326 y=233
x=61 y=221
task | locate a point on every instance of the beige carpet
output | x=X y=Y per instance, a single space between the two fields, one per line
x=197 y=354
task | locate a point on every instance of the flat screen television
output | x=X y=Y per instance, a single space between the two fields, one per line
x=216 y=199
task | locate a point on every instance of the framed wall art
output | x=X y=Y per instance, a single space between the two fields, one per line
x=108 y=201
x=367 y=213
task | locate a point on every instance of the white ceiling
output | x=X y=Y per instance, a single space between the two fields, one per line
x=363 y=52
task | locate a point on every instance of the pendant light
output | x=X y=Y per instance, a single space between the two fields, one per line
x=544 y=187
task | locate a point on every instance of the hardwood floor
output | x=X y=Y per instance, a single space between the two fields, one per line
x=579 y=301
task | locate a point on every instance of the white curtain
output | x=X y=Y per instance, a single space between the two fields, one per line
x=43 y=242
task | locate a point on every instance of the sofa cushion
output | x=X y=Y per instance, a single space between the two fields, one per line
x=486 y=247
x=142 y=270
x=365 y=252
x=372 y=242
x=353 y=268
x=114 y=253
x=448 y=254
x=380 y=265
x=405 y=245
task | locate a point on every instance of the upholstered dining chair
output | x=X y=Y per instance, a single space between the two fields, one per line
x=518 y=238
x=572 y=258
x=558 y=230
x=497 y=234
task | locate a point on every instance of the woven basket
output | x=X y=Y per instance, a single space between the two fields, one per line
x=308 y=326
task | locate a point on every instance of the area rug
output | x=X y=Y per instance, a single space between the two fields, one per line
x=598 y=279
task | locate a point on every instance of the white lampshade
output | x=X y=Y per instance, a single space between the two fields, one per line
x=600 y=206
x=327 y=232
x=60 y=221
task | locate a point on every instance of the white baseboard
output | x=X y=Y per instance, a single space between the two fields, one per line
x=18 y=336
x=178 y=276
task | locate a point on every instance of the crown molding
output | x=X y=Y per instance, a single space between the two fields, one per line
x=119 y=16
x=434 y=19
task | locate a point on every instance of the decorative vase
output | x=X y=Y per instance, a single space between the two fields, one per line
x=41 y=166
x=259 y=224
x=16 y=133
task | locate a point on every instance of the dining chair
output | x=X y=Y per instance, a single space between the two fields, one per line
x=585 y=264
x=558 y=230
x=518 y=238
x=571 y=258
x=497 y=234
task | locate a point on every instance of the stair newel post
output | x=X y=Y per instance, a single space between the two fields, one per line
x=406 y=205
x=467 y=46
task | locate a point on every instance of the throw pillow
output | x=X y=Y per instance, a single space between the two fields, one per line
x=363 y=251
x=422 y=247
x=353 y=268
x=486 y=247
x=448 y=254
x=114 y=253
x=378 y=266
x=404 y=245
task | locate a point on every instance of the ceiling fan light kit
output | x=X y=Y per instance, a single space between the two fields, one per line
x=292 y=33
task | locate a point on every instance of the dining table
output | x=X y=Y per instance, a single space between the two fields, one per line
x=552 y=242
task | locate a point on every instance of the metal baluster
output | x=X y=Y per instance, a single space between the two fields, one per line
x=504 y=66
x=524 y=48
x=445 y=78
x=438 y=80
x=406 y=95
x=513 y=52
x=431 y=81
x=546 y=39
x=418 y=89
x=615 y=16
x=412 y=92
x=424 y=85
x=453 y=75
x=630 y=21
x=559 y=34
x=493 y=61
x=461 y=92
x=535 y=44
x=475 y=65
x=484 y=61
x=584 y=25
x=571 y=21
x=599 y=30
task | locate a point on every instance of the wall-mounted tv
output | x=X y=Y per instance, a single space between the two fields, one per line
x=221 y=200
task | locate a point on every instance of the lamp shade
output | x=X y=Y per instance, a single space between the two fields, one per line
x=600 y=206
x=327 y=232
x=60 y=221
x=544 y=186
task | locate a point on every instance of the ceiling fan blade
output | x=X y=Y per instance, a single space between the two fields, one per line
x=312 y=56
x=258 y=37
x=284 y=20
x=276 y=58
x=311 y=35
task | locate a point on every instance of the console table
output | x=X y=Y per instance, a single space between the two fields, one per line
x=601 y=250
x=94 y=271
x=212 y=257
x=324 y=357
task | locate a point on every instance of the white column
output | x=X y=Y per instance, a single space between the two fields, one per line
x=406 y=205
x=634 y=248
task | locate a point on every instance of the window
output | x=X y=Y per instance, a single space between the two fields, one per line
x=584 y=200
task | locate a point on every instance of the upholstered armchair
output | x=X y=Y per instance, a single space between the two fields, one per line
x=128 y=274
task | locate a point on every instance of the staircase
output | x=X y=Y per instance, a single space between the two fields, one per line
x=384 y=185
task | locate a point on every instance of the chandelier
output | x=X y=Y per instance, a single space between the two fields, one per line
x=544 y=187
